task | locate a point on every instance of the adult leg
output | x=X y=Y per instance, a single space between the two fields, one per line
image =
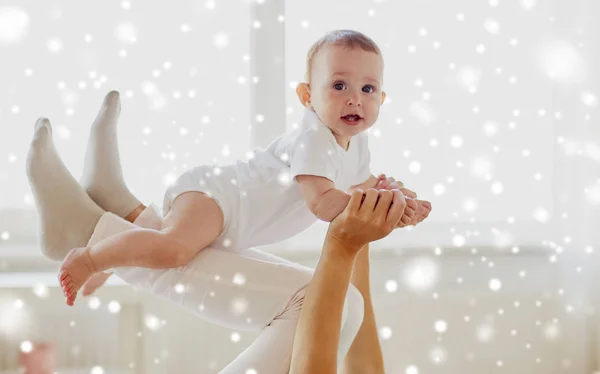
x=102 y=176
x=247 y=290
x=69 y=217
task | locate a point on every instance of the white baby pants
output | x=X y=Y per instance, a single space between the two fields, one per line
x=245 y=290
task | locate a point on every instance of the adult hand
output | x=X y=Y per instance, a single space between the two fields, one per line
x=422 y=208
x=369 y=216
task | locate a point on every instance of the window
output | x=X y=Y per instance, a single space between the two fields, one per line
x=471 y=121
x=183 y=70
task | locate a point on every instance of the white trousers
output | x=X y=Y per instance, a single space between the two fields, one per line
x=243 y=290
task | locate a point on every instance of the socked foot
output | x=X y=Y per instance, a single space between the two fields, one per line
x=76 y=269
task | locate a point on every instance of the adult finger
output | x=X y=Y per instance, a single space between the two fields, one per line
x=355 y=201
x=370 y=201
x=383 y=205
x=397 y=208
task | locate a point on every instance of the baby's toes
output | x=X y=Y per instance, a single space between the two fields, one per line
x=64 y=276
x=72 y=290
x=67 y=281
x=66 y=289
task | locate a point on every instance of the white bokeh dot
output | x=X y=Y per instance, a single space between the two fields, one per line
x=94 y=303
x=14 y=24
x=456 y=141
x=97 y=370
x=26 y=346
x=495 y=284
x=114 y=306
x=414 y=167
x=441 y=326
x=439 y=189
x=458 y=240
x=385 y=332
x=391 y=285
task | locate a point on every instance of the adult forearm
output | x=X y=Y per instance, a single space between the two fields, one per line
x=318 y=330
x=365 y=354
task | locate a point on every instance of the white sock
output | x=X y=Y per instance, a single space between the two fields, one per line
x=67 y=215
x=102 y=176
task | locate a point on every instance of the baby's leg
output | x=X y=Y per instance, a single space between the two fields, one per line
x=194 y=221
x=97 y=280
x=103 y=179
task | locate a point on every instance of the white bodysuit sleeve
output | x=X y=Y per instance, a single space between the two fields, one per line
x=313 y=153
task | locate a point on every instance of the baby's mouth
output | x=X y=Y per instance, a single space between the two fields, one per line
x=352 y=118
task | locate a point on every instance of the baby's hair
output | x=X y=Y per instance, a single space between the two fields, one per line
x=344 y=38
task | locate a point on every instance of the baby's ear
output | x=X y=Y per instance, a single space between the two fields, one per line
x=303 y=92
x=383 y=96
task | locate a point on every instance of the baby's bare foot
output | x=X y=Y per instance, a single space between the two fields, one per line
x=95 y=282
x=75 y=270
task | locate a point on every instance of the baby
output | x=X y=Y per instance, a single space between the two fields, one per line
x=302 y=176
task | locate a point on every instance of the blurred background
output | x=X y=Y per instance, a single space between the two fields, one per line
x=492 y=115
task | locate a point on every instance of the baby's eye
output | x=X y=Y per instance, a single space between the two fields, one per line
x=372 y=89
x=339 y=86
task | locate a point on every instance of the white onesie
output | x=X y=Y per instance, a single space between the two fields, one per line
x=260 y=198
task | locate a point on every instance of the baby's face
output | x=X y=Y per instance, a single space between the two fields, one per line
x=344 y=82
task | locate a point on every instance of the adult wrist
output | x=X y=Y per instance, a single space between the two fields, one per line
x=340 y=245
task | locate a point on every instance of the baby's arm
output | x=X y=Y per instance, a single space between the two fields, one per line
x=369 y=183
x=323 y=199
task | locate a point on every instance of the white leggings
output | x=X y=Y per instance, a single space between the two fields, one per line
x=246 y=290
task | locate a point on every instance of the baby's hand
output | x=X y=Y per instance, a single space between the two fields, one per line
x=422 y=208
x=385 y=182
x=389 y=183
